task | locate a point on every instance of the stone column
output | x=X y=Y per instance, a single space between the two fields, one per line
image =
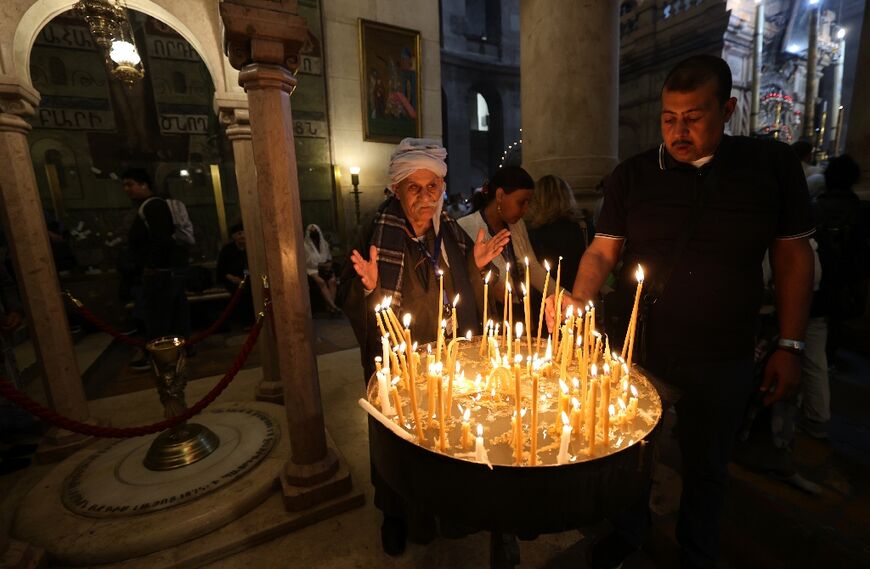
x=23 y=220
x=233 y=112
x=834 y=137
x=858 y=131
x=569 y=82
x=757 y=54
x=263 y=42
x=812 y=83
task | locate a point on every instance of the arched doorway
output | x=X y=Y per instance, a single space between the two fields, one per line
x=485 y=132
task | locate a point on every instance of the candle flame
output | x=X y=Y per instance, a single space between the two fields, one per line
x=396 y=380
x=488 y=275
x=575 y=382
x=387 y=302
x=406 y=320
x=455 y=300
x=518 y=359
x=596 y=333
x=467 y=415
x=569 y=312
x=507 y=268
x=611 y=410
x=440 y=274
x=606 y=369
x=444 y=324
x=575 y=403
x=414 y=347
x=508 y=284
x=633 y=390
x=468 y=335
x=377 y=308
x=527 y=261
x=429 y=349
x=519 y=329
x=579 y=340
x=594 y=370
x=378 y=359
x=522 y=412
x=639 y=274
x=403 y=347
x=565 y=418
x=547 y=265
x=523 y=289
x=563 y=386
x=479 y=430
x=621 y=403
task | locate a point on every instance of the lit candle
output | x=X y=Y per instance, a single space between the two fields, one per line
x=564 y=397
x=384 y=394
x=507 y=289
x=632 y=405
x=480 y=454
x=591 y=406
x=543 y=305
x=379 y=321
x=527 y=313
x=519 y=334
x=534 y=432
x=442 y=437
x=517 y=389
x=397 y=401
x=455 y=315
x=608 y=415
x=486 y=323
x=563 y=457
x=558 y=319
x=576 y=417
x=440 y=339
x=466 y=428
x=632 y=325
x=510 y=320
x=605 y=398
x=412 y=392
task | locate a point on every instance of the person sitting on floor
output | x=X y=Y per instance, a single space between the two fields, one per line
x=318 y=261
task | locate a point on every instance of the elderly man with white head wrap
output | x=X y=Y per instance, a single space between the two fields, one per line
x=408 y=243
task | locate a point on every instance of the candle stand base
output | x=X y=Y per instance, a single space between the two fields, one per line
x=181 y=446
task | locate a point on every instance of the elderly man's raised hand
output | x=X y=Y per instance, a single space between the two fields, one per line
x=485 y=250
x=367 y=270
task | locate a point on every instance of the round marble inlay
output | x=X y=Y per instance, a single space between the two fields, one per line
x=114 y=482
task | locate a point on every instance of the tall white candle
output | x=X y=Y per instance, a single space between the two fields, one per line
x=480 y=454
x=564 y=457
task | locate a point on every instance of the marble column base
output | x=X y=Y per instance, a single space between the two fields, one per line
x=231 y=518
x=270 y=392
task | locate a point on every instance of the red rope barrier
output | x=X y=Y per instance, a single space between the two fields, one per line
x=103 y=326
x=9 y=391
x=231 y=306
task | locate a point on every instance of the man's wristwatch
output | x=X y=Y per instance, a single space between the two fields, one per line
x=793 y=346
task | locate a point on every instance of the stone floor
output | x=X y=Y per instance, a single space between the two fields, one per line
x=768 y=523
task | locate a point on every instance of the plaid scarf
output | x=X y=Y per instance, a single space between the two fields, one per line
x=390 y=230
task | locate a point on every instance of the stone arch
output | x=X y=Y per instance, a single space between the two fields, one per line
x=43 y=11
x=495 y=135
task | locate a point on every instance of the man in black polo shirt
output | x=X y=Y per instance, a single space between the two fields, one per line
x=698 y=213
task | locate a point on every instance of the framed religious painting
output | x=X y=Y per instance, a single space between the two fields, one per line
x=390 y=80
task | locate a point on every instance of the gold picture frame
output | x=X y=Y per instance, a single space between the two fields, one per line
x=390 y=59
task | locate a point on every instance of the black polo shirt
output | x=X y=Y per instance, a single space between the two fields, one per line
x=756 y=192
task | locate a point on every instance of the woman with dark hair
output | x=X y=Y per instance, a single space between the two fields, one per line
x=556 y=226
x=502 y=204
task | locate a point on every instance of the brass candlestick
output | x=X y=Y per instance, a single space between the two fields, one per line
x=185 y=443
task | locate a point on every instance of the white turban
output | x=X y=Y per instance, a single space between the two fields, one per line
x=417 y=154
